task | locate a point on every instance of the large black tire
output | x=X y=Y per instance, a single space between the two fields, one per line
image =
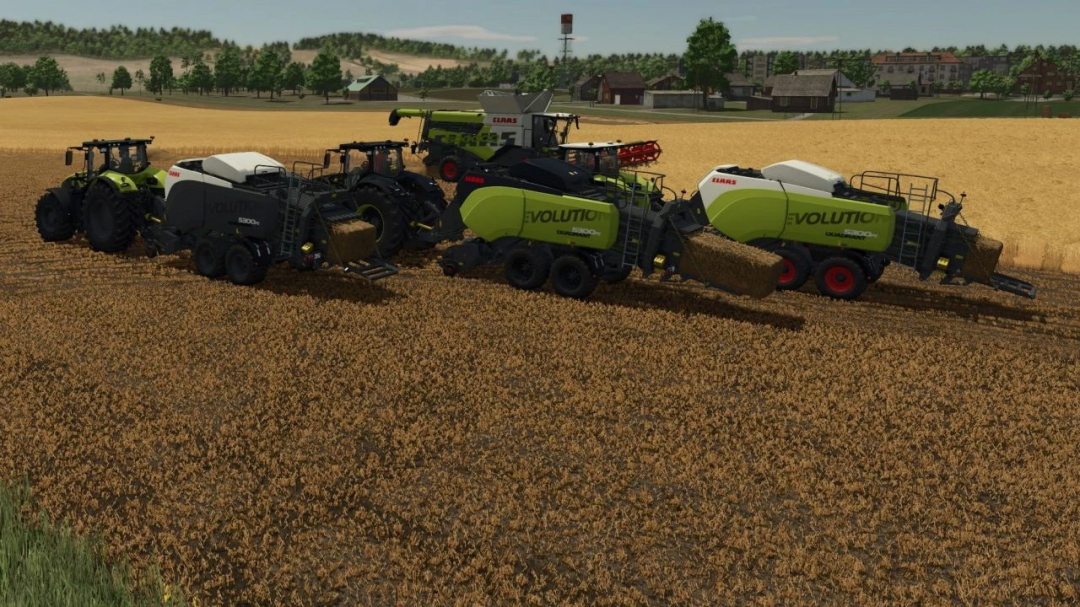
x=209 y=261
x=109 y=219
x=572 y=277
x=391 y=226
x=840 y=278
x=54 y=221
x=451 y=169
x=527 y=268
x=796 y=270
x=242 y=266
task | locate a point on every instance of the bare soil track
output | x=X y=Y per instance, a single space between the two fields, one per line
x=319 y=441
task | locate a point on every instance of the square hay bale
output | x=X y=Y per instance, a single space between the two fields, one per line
x=351 y=240
x=982 y=259
x=744 y=269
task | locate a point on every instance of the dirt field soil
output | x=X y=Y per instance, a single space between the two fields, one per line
x=316 y=440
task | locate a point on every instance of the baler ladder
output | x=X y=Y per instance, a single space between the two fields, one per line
x=912 y=230
x=293 y=211
x=635 y=229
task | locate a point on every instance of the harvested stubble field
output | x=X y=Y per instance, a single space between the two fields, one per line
x=318 y=441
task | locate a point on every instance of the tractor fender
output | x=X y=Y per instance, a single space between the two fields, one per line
x=119 y=183
x=64 y=196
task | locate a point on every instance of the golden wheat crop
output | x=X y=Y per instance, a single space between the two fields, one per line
x=319 y=441
x=1018 y=174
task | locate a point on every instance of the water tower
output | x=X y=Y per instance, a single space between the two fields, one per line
x=566 y=28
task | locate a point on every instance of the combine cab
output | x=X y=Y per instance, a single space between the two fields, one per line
x=844 y=234
x=509 y=129
x=607 y=161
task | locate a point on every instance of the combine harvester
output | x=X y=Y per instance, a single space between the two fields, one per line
x=239 y=213
x=509 y=129
x=845 y=234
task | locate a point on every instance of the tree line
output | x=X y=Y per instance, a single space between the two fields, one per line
x=353 y=44
x=45 y=75
x=116 y=42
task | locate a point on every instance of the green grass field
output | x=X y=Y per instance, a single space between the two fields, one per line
x=43 y=565
x=986 y=108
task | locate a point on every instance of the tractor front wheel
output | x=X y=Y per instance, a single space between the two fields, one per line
x=208 y=260
x=572 y=277
x=450 y=169
x=391 y=227
x=110 y=220
x=840 y=278
x=54 y=222
x=527 y=268
x=796 y=270
x=242 y=266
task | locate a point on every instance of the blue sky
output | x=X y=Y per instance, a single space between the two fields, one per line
x=601 y=26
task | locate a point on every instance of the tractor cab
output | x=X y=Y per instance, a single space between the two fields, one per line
x=358 y=159
x=123 y=156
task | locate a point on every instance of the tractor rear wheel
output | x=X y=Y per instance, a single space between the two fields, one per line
x=796 y=270
x=572 y=277
x=110 y=220
x=54 y=222
x=208 y=260
x=391 y=227
x=242 y=266
x=527 y=268
x=840 y=278
x=450 y=169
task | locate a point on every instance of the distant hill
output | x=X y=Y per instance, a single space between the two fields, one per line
x=116 y=42
x=354 y=44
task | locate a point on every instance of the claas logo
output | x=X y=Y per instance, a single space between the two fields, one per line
x=723 y=180
x=474 y=179
x=174 y=173
x=503 y=120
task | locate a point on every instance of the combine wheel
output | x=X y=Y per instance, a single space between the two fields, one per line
x=110 y=220
x=527 y=268
x=391 y=228
x=796 y=270
x=450 y=169
x=208 y=260
x=242 y=266
x=840 y=278
x=54 y=222
x=572 y=277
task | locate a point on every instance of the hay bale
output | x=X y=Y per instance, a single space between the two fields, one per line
x=982 y=259
x=746 y=270
x=351 y=240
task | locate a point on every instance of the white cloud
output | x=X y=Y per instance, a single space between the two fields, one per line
x=776 y=42
x=466 y=32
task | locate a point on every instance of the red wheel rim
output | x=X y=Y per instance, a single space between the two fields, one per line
x=839 y=279
x=788 y=275
x=450 y=169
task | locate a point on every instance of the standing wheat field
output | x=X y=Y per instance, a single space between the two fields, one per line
x=317 y=440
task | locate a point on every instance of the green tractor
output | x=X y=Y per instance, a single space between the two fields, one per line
x=608 y=160
x=103 y=200
x=399 y=203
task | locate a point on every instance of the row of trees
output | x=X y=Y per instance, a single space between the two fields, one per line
x=267 y=73
x=353 y=45
x=116 y=42
x=45 y=75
